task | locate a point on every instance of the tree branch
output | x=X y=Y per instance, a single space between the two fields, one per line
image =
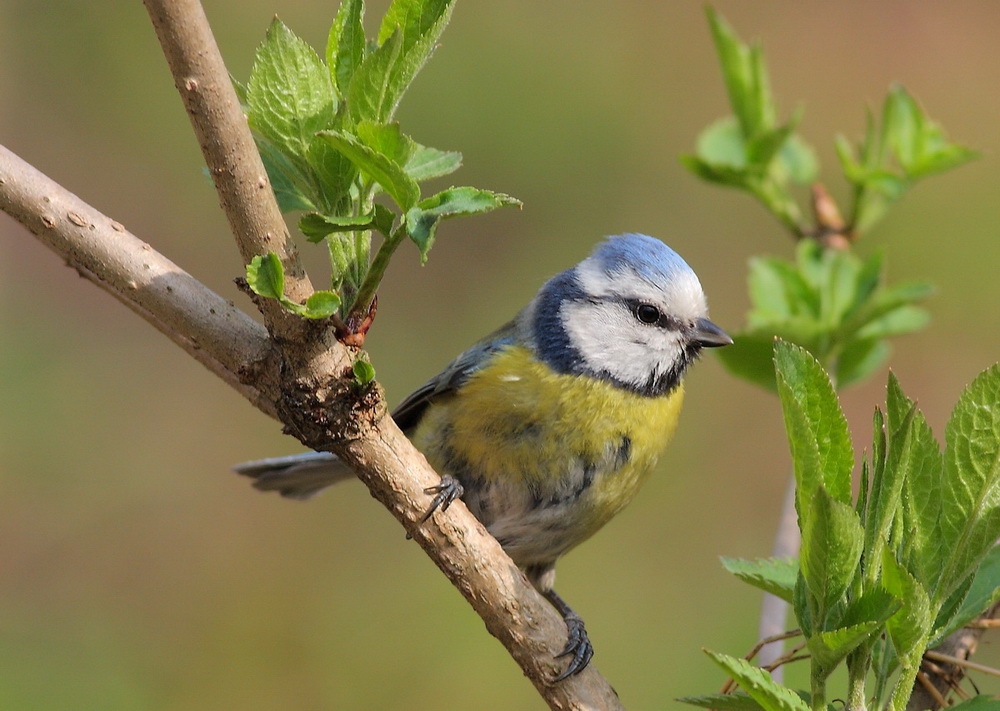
x=302 y=375
x=211 y=330
x=233 y=161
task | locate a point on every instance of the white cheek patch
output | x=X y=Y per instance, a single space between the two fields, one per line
x=609 y=339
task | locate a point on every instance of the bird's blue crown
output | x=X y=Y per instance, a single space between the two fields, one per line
x=647 y=256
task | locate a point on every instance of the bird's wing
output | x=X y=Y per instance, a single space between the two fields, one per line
x=408 y=413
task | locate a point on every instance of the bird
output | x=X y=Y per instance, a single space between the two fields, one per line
x=547 y=427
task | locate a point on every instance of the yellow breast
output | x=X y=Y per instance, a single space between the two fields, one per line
x=517 y=421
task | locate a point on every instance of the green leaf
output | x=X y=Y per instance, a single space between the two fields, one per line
x=719 y=174
x=982 y=593
x=289 y=183
x=799 y=160
x=316 y=226
x=321 y=304
x=290 y=95
x=387 y=139
x=829 y=648
x=910 y=627
x=413 y=19
x=902 y=320
x=723 y=702
x=817 y=430
x=427 y=163
x=978 y=703
x=371 y=94
x=745 y=77
x=778 y=292
x=759 y=685
x=345 y=48
x=422 y=220
x=884 y=502
x=409 y=34
x=386 y=172
x=774 y=575
x=721 y=144
x=364 y=372
x=922 y=469
x=970 y=495
x=266 y=276
x=831 y=551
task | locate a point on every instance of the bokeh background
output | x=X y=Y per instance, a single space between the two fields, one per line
x=136 y=572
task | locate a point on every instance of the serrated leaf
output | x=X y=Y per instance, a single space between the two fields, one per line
x=745 y=77
x=316 y=226
x=372 y=91
x=427 y=163
x=290 y=95
x=383 y=170
x=422 y=220
x=345 y=47
x=884 y=504
x=970 y=495
x=409 y=34
x=723 y=702
x=266 y=277
x=910 y=627
x=831 y=550
x=387 y=139
x=800 y=606
x=759 y=685
x=829 y=648
x=817 y=429
x=412 y=18
x=982 y=592
x=291 y=186
x=774 y=575
x=321 y=304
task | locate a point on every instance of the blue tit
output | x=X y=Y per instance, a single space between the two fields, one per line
x=547 y=427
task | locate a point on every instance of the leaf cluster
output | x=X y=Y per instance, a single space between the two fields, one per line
x=325 y=130
x=829 y=301
x=753 y=151
x=882 y=577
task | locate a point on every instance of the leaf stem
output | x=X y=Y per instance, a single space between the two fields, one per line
x=376 y=271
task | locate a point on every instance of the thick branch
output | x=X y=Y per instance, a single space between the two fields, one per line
x=244 y=190
x=213 y=331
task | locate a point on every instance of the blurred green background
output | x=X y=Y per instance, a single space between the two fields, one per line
x=136 y=572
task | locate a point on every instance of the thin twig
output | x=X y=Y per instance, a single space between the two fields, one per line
x=959 y=662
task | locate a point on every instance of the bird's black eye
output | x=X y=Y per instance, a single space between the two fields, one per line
x=647 y=313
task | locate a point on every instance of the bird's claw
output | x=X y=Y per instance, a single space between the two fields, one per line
x=445 y=493
x=577 y=645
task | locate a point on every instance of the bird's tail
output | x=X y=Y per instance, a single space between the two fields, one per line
x=299 y=476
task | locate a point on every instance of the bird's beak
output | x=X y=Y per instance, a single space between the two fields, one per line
x=708 y=335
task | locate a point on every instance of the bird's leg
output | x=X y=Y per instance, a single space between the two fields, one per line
x=578 y=644
x=445 y=493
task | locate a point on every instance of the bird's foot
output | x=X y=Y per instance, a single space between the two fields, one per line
x=578 y=647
